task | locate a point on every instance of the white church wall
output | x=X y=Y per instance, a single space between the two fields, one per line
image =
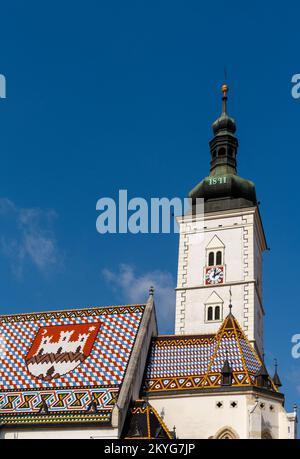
x=37 y=433
x=200 y=416
x=289 y=424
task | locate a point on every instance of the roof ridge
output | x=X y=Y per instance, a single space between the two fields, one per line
x=195 y=336
x=218 y=341
x=87 y=308
x=160 y=420
x=236 y=327
x=260 y=361
x=142 y=406
x=231 y=323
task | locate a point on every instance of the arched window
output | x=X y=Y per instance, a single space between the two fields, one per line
x=219 y=258
x=211 y=259
x=222 y=152
x=210 y=313
x=217 y=313
x=226 y=434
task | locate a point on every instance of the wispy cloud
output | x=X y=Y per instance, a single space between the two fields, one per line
x=132 y=287
x=27 y=235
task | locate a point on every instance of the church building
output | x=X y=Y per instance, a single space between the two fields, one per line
x=104 y=372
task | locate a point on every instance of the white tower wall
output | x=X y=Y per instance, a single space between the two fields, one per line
x=239 y=235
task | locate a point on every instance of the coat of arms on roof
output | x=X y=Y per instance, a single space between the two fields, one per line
x=59 y=349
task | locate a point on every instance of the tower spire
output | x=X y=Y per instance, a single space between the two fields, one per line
x=230 y=301
x=224 y=124
x=223 y=188
x=224 y=98
x=276 y=378
x=223 y=146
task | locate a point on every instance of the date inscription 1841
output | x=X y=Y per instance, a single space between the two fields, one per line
x=217 y=180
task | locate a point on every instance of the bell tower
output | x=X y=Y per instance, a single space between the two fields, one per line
x=220 y=249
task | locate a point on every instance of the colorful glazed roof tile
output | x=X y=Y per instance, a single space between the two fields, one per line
x=143 y=422
x=65 y=366
x=195 y=362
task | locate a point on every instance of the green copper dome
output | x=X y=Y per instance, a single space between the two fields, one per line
x=229 y=186
x=223 y=188
x=224 y=124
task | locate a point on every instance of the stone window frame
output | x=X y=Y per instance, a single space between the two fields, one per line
x=214 y=305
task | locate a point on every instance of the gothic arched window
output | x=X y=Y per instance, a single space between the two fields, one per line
x=217 y=313
x=210 y=313
x=211 y=259
x=226 y=434
x=219 y=258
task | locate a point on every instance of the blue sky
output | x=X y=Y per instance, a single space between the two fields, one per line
x=103 y=96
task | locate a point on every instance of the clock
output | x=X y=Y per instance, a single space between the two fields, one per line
x=214 y=275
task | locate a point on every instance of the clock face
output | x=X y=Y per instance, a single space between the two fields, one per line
x=214 y=275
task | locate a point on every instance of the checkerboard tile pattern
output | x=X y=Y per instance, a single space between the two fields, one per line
x=105 y=366
x=182 y=363
x=228 y=347
x=179 y=357
x=251 y=360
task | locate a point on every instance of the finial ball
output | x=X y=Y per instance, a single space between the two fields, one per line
x=224 y=89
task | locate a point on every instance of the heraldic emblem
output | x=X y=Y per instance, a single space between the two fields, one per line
x=59 y=349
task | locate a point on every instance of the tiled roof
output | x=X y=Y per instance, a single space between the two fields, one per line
x=194 y=362
x=65 y=366
x=143 y=422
